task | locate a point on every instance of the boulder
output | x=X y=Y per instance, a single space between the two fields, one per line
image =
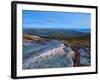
x=32 y=38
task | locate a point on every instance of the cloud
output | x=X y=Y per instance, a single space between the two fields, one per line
x=51 y=20
x=41 y=21
x=37 y=22
x=33 y=22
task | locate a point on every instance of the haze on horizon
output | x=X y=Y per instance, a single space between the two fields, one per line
x=58 y=20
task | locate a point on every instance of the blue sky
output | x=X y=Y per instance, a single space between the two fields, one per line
x=47 y=19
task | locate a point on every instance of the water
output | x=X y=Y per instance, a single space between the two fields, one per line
x=84 y=30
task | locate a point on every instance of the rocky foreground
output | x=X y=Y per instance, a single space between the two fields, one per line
x=43 y=53
x=82 y=55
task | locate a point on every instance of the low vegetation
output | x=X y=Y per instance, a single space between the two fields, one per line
x=79 y=41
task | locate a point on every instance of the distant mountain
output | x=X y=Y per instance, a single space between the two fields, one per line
x=65 y=33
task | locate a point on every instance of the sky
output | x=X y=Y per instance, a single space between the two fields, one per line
x=50 y=19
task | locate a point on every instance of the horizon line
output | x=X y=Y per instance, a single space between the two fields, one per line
x=54 y=28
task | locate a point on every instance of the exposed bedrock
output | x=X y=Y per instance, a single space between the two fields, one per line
x=47 y=54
